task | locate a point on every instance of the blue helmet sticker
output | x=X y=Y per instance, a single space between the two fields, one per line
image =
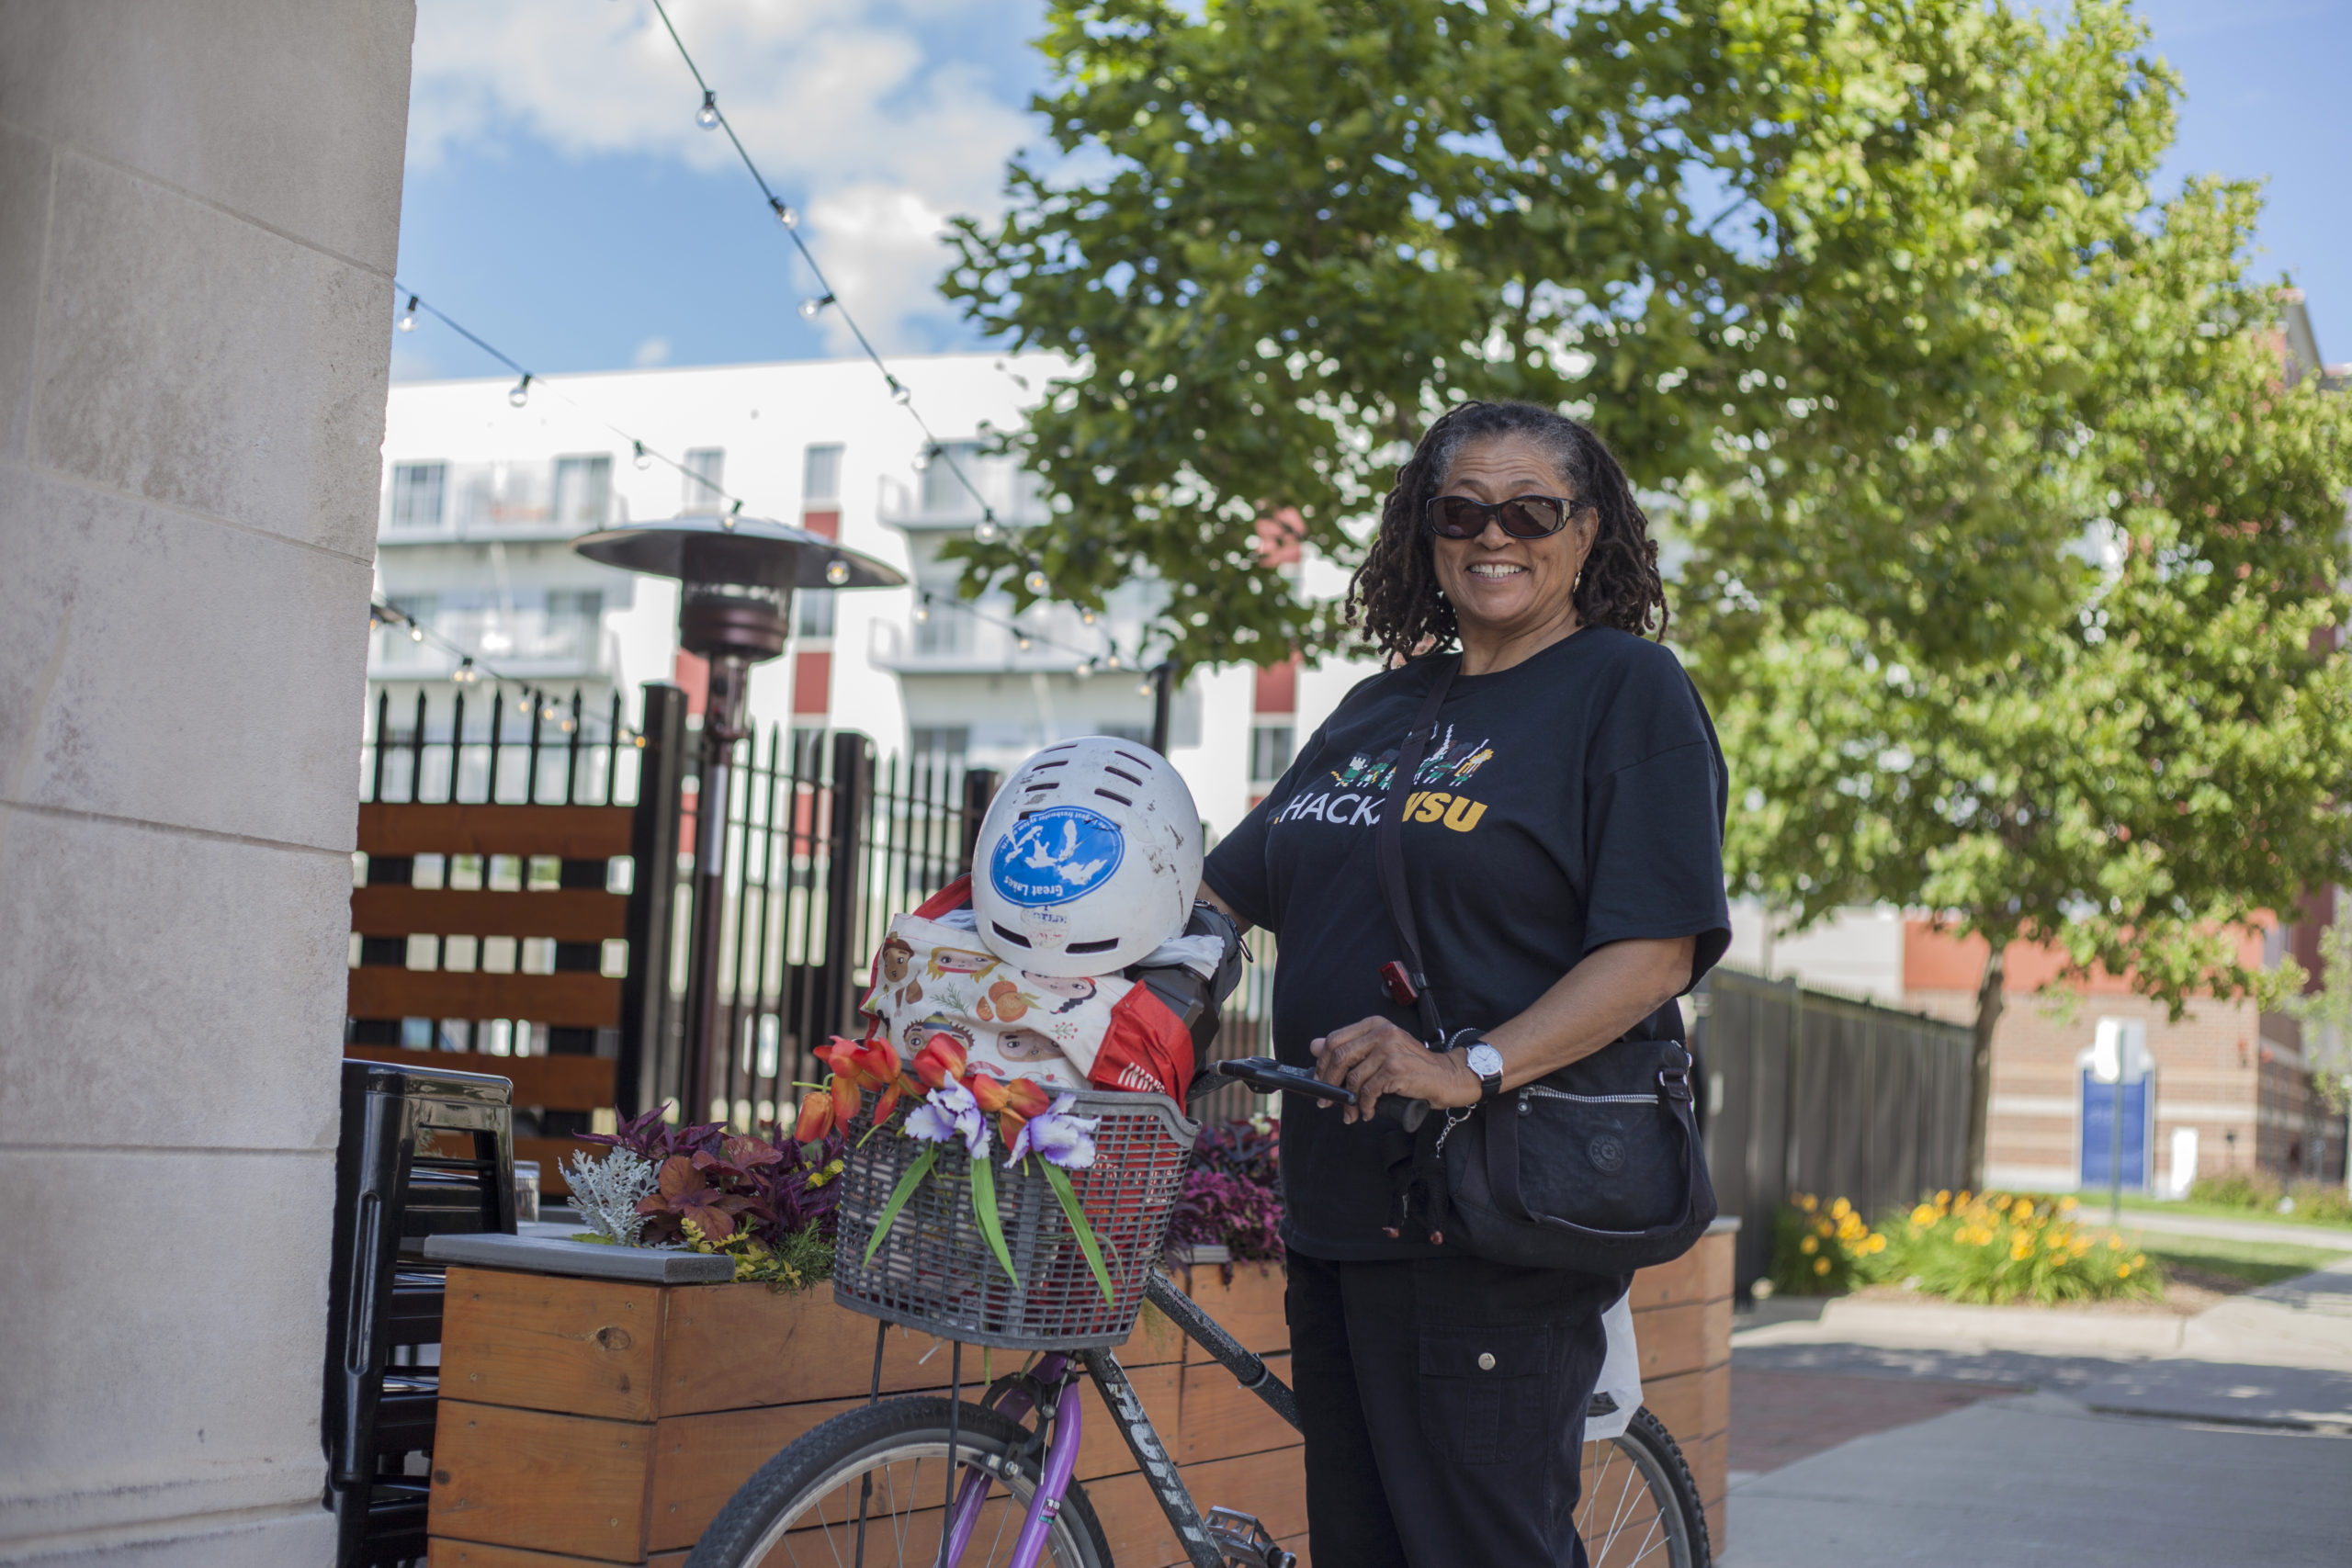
x=1055 y=856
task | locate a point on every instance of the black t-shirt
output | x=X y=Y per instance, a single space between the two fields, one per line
x=1572 y=800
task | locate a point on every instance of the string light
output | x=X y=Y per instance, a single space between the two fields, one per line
x=1034 y=581
x=1022 y=642
x=812 y=307
x=470 y=670
x=1085 y=616
x=923 y=609
x=522 y=392
x=416 y=632
x=710 y=117
x=408 y=316
x=641 y=457
x=837 y=572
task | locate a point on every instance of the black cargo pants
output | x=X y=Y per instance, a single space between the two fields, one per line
x=1443 y=1400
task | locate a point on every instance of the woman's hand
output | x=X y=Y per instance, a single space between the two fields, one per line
x=1375 y=1057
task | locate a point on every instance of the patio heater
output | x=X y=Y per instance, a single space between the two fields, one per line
x=736 y=576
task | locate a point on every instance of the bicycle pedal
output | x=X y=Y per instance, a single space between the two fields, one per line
x=1245 y=1542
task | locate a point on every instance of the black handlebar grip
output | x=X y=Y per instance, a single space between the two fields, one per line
x=1406 y=1113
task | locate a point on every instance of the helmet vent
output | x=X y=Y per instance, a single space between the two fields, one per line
x=1014 y=937
x=1131 y=757
x=1122 y=799
x=1103 y=946
x=1041 y=767
x=1118 y=773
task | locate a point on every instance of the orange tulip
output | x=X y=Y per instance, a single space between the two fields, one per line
x=816 y=1117
x=847 y=1097
x=991 y=1093
x=1026 y=1098
x=881 y=1060
x=840 y=1054
x=940 y=1060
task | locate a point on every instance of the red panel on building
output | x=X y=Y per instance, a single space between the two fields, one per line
x=1278 y=687
x=813 y=681
x=691 y=673
x=828 y=524
x=1278 y=537
x=1935 y=960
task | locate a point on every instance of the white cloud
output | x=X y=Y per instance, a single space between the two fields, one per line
x=651 y=352
x=841 y=102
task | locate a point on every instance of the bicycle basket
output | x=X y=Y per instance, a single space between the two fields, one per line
x=934 y=1271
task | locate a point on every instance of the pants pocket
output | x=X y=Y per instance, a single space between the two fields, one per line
x=1482 y=1389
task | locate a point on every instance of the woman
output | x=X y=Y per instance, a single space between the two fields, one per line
x=1564 y=860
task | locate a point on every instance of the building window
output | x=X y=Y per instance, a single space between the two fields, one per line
x=1138 y=733
x=417 y=494
x=812 y=612
x=822 y=481
x=1270 y=750
x=938 y=743
x=706 y=475
x=946 y=629
x=942 y=490
x=583 y=491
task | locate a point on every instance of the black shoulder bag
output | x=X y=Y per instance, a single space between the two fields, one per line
x=1596 y=1166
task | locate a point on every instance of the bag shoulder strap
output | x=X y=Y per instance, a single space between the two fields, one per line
x=1388 y=846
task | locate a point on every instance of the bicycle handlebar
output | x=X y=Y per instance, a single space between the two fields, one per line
x=1268 y=1075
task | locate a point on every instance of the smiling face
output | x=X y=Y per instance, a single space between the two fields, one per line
x=1507 y=591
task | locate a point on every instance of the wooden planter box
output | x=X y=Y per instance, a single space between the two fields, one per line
x=583 y=1421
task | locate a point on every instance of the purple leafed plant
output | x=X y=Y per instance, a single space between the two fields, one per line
x=772 y=1187
x=1232 y=1194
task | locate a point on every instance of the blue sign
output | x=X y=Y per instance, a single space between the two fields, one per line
x=1053 y=856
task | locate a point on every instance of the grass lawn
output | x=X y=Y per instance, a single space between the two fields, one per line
x=2095 y=1202
x=2246 y=1263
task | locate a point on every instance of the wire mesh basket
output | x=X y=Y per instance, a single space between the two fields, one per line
x=935 y=1271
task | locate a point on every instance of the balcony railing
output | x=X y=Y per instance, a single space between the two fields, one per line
x=526 y=642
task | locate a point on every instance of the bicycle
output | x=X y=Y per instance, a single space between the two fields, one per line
x=853 y=1492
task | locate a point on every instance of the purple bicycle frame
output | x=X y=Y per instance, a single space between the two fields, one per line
x=1061 y=1462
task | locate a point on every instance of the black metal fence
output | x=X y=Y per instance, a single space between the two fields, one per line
x=825 y=841
x=1810 y=1092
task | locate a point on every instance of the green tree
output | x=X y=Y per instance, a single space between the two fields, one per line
x=2141 y=775
x=1746 y=241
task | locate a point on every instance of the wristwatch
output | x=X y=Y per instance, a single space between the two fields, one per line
x=1484 y=1061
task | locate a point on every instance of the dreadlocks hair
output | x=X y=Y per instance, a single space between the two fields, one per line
x=1394 y=599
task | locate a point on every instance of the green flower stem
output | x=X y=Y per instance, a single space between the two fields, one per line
x=984 y=1210
x=906 y=1190
x=1059 y=1180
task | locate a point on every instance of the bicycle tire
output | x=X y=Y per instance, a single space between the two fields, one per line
x=757 y=1528
x=1662 y=1526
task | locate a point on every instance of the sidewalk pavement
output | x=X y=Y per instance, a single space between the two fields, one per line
x=1877 y=1432
x=2039 y=1479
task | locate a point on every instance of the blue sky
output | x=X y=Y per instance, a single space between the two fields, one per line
x=560 y=201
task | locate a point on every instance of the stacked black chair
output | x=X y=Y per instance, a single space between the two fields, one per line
x=422 y=1153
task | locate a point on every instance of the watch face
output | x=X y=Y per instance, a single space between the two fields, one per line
x=1485 y=1060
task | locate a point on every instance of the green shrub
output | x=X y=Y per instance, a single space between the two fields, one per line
x=2259 y=1191
x=1819 y=1251
x=1999 y=1247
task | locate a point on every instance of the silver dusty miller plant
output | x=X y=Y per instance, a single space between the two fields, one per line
x=606 y=1192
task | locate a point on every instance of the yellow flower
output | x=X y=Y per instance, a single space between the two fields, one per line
x=1808 y=1246
x=1805 y=1201
x=1877 y=1241
x=1821 y=1265
x=2068 y=1204
x=2021 y=1210
x=1841 y=1208
x=2123 y=1270
x=1962 y=1198
x=1925 y=1215
x=1943 y=1199
x=2020 y=1249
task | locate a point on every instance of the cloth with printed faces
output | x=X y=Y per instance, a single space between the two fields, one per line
x=933 y=977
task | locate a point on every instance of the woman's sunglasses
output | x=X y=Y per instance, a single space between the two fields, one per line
x=1522 y=516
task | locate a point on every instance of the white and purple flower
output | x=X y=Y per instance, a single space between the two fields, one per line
x=1056 y=1135
x=950 y=1113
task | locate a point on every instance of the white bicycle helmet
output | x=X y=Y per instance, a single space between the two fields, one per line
x=1088 y=858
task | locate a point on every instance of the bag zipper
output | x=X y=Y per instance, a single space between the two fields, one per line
x=1539 y=1091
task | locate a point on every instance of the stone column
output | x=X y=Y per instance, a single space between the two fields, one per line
x=198 y=209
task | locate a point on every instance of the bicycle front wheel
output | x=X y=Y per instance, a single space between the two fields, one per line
x=1639 y=1504
x=869 y=1486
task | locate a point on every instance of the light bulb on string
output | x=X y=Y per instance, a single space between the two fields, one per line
x=416 y=632
x=837 y=572
x=522 y=392
x=1022 y=642
x=640 y=456
x=923 y=609
x=408 y=316
x=707 y=116
x=898 y=393
x=1111 y=659
x=1085 y=668
x=784 y=215
x=814 y=305
x=1086 y=617
x=988 y=533
x=1035 y=580
x=1143 y=688
x=728 y=522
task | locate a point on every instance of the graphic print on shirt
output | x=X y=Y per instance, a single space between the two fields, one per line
x=1362 y=788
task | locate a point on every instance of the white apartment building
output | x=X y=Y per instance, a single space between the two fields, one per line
x=482 y=495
